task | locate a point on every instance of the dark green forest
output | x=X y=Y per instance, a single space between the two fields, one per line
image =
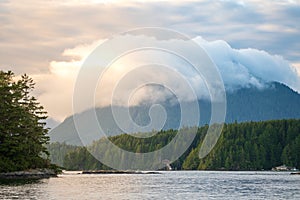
x=275 y=101
x=242 y=146
x=22 y=125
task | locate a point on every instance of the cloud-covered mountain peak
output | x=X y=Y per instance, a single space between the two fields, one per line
x=241 y=68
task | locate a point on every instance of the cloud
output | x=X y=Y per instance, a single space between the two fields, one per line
x=34 y=35
x=239 y=68
x=297 y=67
x=250 y=67
x=55 y=90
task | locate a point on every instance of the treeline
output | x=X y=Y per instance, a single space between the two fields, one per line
x=252 y=146
x=22 y=125
x=79 y=158
x=244 y=146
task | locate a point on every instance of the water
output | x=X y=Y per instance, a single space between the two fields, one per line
x=168 y=185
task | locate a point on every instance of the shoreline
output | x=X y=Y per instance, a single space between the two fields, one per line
x=118 y=172
x=28 y=174
x=85 y=172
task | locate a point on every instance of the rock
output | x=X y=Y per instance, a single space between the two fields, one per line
x=29 y=174
x=117 y=172
x=295 y=173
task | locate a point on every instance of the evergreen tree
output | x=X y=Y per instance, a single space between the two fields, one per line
x=22 y=126
x=244 y=146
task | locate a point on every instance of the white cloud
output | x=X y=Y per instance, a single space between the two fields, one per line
x=239 y=68
x=81 y=51
x=297 y=67
x=250 y=67
x=34 y=35
x=55 y=89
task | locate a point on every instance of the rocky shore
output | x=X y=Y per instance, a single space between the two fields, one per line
x=295 y=173
x=118 y=172
x=29 y=174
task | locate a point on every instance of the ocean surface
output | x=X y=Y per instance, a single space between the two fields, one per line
x=167 y=185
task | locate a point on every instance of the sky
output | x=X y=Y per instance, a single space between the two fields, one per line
x=49 y=39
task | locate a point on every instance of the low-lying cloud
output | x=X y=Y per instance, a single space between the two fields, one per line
x=249 y=67
x=239 y=68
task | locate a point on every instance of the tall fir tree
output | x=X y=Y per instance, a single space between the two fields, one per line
x=22 y=125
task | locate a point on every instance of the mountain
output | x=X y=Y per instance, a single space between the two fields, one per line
x=275 y=101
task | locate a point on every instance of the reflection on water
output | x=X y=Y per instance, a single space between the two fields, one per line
x=20 y=189
x=16 y=182
x=168 y=185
